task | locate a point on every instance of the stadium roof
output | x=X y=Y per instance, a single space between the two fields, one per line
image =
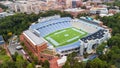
x=1 y=40
x=33 y=38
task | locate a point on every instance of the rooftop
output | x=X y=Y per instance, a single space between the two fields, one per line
x=33 y=38
x=74 y=10
x=1 y=40
x=50 y=52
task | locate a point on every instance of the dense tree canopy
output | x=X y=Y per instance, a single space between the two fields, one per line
x=113 y=56
x=96 y=63
x=19 y=63
x=20 y=21
x=46 y=64
x=3 y=7
x=112 y=22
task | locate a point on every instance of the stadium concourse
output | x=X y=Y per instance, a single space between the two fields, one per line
x=64 y=35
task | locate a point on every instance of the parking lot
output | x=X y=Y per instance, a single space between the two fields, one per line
x=15 y=46
x=13 y=43
x=12 y=49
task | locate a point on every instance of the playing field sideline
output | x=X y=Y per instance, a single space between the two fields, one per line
x=65 y=36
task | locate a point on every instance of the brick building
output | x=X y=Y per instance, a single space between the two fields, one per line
x=38 y=46
x=1 y=10
x=34 y=43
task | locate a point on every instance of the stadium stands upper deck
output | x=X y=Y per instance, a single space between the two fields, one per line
x=48 y=27
x=83 y=25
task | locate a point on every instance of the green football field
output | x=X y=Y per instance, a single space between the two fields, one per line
x=65 y=36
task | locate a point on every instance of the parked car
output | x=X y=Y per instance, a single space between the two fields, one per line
x=19 y=47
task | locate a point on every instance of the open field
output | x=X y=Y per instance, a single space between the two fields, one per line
x=65 y=36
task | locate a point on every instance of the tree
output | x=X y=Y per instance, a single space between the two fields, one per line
x=36 y=61
x=3 y=7
x=31 y=65
x=112 y=57
x=20 y=62
x=100 y=48
x=4 y=65
x=8 y=64
x=67 y=65
x=97 y=63
x=83 y=7
x=78 y=65
x=114 y=41
x=82 y=14
x=46 y=64
x=11 y=64
x=14 y=56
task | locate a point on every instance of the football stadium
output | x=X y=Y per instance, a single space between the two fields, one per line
x=65 y=35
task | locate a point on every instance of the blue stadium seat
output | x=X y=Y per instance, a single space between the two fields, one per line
x=50 y=26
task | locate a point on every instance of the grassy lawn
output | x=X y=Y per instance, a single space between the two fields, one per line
x=3 y=55
x=65 y=36
x=4 y=58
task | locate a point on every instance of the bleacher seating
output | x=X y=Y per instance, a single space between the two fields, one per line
x=80 y=24
x=69 y=47
x=90 y=21
x=48 y=27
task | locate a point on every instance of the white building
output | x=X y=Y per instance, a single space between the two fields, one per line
x=68 y=3
x=4 y=14
x=98 y=10
x=26 y=6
